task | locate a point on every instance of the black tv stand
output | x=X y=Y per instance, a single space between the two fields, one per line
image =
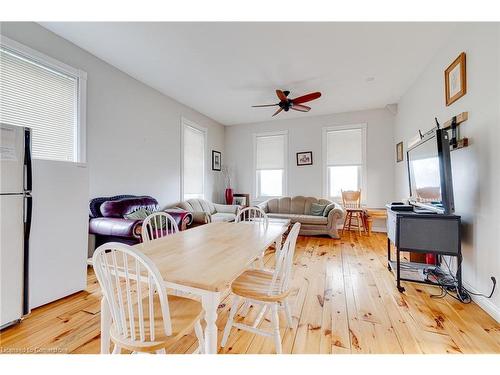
x=422 y=232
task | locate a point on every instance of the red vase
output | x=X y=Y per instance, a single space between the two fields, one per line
x=229 y=196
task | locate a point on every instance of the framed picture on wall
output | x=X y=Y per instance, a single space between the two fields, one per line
x=304 y=158
x=455 y=80
x=399 y=152
x=216 y=160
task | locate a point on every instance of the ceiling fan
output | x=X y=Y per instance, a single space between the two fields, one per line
x=285 y=104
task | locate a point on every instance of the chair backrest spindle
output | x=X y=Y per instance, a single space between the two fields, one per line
x=157 y=225
x=351 y=198
x=282 y=271
x=253 y=214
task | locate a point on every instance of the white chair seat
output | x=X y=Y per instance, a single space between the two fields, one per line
x=184 y=313
x=258 y=285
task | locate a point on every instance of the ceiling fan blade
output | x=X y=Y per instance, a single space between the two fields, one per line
x=281 y=95
x=306 y=98
x=301 y=108
x=278 y=111
x=266 y=105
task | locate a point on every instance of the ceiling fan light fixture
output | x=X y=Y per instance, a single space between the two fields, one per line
x=296 y=104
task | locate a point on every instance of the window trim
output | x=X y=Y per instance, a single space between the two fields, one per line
x=81 y=77
x=363 y=174
x=188 y=123
x=255 y=188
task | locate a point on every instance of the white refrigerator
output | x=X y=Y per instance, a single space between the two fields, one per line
x=43 y=227
x=15 y=222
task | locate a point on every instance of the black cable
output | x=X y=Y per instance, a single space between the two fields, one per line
x=468 y=291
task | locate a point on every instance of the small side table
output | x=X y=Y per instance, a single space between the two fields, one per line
x=373 y=213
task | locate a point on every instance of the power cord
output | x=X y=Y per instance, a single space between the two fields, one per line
x=449 y=285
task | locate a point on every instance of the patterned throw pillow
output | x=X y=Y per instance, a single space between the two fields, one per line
x=328 y=208
x=139 y=214
x=317 y=209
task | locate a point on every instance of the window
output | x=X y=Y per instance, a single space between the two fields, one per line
x=270 y=164
x=344 y=156
x=46 y=96
x=193 y=160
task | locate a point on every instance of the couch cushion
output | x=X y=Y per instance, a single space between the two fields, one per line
x=317 y=209
x=279 y=205
x=125 y=206
x=198 y=205
x=303 y=219
x=298 y=205
x=280 y=216
x=310 y=219
x=223 y=217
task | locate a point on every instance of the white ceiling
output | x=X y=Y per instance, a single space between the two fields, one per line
x=221 y=69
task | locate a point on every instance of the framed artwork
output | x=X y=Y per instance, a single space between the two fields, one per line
x=399 y=152
x=216 y=160
x=241 y=199
x=304 y=158
x=455 y=80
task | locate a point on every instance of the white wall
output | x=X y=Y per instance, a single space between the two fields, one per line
x=133 y=131
x=476 y=169
x=305 y=134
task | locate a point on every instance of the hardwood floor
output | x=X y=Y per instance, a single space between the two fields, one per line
x=344 y=300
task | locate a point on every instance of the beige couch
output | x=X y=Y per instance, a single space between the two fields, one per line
x=207 y=212
x=298 y=209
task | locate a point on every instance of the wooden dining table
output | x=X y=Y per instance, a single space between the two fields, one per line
x=203 y=261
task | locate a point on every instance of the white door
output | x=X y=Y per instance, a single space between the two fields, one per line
x=11 y=258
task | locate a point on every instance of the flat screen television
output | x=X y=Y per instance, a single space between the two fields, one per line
x=429 y=173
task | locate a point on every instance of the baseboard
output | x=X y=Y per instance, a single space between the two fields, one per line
x=485 y=304
x=375 y=228
x=380 y=229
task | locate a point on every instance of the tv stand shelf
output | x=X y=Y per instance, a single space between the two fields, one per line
x=409 y=231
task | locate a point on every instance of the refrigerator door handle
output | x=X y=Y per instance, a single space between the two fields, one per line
x=27 y=161
x=28 y=211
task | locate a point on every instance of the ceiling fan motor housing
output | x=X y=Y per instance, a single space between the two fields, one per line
x=286 y=104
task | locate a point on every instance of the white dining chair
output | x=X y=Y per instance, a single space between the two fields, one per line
x=268 y=289
x=144 y=317
x=157 y=225
x=254 y=214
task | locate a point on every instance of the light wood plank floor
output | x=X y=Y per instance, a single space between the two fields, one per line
x=344 y=300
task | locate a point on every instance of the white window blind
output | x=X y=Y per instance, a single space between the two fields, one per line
x=194 y=162
x=344 y=159
x=270 y=164
x=344 y=147
x=43 y=99
x=270 y=152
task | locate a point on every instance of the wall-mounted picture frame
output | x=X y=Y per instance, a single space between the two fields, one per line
x=455 y=80
x=304 y=158
x=399 y=152
x=216 y=160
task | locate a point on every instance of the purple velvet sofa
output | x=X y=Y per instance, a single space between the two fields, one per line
x=108 y=224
